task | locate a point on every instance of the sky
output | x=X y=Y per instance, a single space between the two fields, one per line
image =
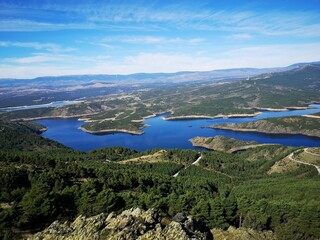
x=72 y=37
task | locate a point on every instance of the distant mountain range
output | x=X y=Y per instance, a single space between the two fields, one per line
x=43 y=90
x=178 y=77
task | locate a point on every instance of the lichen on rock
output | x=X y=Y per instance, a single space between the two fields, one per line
x=131 y=224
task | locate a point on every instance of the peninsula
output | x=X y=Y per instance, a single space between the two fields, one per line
x=285 y=125
x=224 y=144
x=235 y=115
x=125 y=111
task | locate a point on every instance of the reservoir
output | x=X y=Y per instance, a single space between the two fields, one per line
x=172 y=134
x=52 y=104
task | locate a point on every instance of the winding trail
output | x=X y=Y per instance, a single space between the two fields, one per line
x=197 y=161
x=194 y=163
x=290 y=156
x=206 y=168
x=315 y=154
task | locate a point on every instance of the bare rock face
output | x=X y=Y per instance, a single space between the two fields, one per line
x=132 y=224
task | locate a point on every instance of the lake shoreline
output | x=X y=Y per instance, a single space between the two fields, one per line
x=311 y=116
x=236 y=115
x=44 y=105
x=164 y=118
x=219 y=145
x=281 y=109
x=167 y=134
x=52 y=117
x=112 y=131
x=259 y=131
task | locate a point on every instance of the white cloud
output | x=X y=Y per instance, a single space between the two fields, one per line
x=36 y=58
x=258 y=56
x=153 y=40
x=297 y=24
x=149 y=17
x=31 y=71
x=51 y=47
x=272 y=55
x=19 y=25
x=240 y=36
x=104 y=45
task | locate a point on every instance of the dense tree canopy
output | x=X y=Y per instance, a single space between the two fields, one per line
x=41 y=184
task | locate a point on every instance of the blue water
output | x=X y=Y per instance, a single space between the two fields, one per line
x=171 y=134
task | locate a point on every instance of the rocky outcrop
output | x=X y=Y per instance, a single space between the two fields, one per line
x=242 y=234
x=130 y=224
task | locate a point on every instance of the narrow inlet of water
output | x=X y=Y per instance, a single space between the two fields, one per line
x=172 y=134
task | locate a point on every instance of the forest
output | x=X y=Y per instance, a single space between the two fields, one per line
x=125 y=111
x=291 y=125
x=42 y=181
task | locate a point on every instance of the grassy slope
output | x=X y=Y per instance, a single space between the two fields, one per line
x=307 y=157
x=220 y=143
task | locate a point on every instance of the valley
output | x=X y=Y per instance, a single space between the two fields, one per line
x=159 y=120
x=42 y=181
x=125 y=112
x=127 y=154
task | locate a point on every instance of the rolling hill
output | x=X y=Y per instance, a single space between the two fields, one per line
x=295 y=88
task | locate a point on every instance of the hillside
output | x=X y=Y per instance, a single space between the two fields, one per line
x=285 y=125
x=131 y=224
x=24 y=136
x=50 y=183
x=125 y=112
x=41 y=90
x=221 y=143
x=136 y=223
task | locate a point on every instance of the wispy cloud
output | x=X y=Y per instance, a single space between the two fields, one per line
x=23 y=25
x=272 y=55
x=255 y=56
x=240 y=36
x=144 y=16
x=153 y=40
x=150 y=36
x=31 y=71
x=303 y=24
x=37 y=58
x=274 y=23
x=51 y=47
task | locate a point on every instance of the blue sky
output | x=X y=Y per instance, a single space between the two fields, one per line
x=41 y=38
